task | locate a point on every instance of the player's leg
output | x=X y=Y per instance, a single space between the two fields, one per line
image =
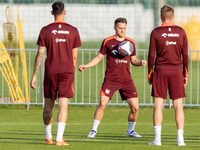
x=61 y=120
x=180 y=119
x=177 y=92
x=65 y=91
x=157 y=120
x=98 y=115
x=47 y=118
x=132 y=117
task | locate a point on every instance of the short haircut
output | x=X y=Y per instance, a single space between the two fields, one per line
x=58 y=8
x=167 y=12
x=121 y=20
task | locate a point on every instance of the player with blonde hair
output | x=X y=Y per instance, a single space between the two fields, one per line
x=169 y=44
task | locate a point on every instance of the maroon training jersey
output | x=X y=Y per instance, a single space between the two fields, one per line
x=59 y=38
x=117 y=66
x=170 y=47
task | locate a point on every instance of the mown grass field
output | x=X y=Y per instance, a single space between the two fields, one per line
x=23 y=130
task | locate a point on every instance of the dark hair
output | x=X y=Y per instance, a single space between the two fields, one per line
x=121 y=20
x=58 y=8
x=167 y=12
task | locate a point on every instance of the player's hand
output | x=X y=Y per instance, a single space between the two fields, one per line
x=143 y=62
x=33 y=81
x=150 y=82
x=82 y=67
x=185 y=81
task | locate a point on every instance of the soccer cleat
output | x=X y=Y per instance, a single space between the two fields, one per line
x=92 y=134
x=48 y=141
x=158 y=143
x=133 y=134
x=181 y=144
x=58 y=143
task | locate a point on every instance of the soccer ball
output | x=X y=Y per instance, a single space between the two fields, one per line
x=125 y=48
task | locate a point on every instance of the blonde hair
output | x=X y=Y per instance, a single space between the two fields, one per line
x=167 y=12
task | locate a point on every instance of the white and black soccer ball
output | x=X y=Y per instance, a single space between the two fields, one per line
x=125 y=48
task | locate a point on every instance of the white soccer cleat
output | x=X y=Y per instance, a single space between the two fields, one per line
x=158 y=143
x=181 y=144
x=133 y=134
x=92 y=134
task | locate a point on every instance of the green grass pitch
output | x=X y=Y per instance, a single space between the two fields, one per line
x=23 y=130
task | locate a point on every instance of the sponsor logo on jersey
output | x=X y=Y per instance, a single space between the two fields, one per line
x=60 y=32
x=107 y=91
x=170 y=43
x=114 y=52
x=121 y=61
x=170 y=35
x=60 y=40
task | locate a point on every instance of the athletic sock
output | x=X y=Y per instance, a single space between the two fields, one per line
x=157 y=130
x=180 y=138
x=131 y=126
x=47 y=129
x=60 y=130
x=95 y=124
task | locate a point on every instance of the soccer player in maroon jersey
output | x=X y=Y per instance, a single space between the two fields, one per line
x=117 y=77
x=169 y=43
x=61 y=41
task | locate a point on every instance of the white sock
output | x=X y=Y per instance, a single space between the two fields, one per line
x=47 y=129
x=131 y=126
x=95 y=124
x=60 y=130
x=180 y=136
x=157 y=130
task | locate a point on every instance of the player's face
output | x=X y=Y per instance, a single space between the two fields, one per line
x=120 y=29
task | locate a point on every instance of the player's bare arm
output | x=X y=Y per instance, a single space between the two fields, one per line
x=75 y=56
x=92 y=63
x=38 y=61
x=137 y=62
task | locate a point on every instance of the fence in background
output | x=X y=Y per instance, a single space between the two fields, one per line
x=88 y=83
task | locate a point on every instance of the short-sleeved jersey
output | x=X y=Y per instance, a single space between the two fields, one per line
x=117 y=66
x=170 y=47
x=59 y=38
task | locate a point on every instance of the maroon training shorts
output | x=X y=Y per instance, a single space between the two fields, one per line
x=126 y=89
x=62 y=83
x=171 y=80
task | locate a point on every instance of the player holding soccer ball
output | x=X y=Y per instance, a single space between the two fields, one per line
x=117 y=76
x=61 y=41
x=169 y=43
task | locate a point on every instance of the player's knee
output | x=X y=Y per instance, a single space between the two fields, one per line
x=102 y=105
x=134 y=109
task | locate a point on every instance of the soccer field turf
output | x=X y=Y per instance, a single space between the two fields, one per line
x=23 y=130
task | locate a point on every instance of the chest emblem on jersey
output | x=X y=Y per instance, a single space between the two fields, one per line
x=114 y=52
x=121 y=61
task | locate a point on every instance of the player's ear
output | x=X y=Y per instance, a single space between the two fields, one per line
x=52 y=12
x=160 y=16
x=114 y=28
x=173 y=17
x=64 y=12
